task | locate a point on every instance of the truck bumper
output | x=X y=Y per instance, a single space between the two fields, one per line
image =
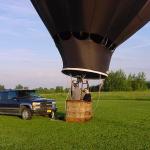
x=43 y=112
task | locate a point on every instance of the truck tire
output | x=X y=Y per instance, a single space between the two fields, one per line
x=52 y=115
x=26 y=113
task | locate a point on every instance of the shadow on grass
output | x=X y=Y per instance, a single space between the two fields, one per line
x=61 y=116
x=142 y=99
x=121 y=99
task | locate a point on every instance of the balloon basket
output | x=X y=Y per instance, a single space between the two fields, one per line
x=78 y=111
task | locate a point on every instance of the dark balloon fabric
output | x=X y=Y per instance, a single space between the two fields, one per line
x=86 y=32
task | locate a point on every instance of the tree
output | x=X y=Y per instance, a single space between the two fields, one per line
x=138 y=82
x=148 y=84
x=141 y=81
x=66 y=90
x=52 y=90
x=2 y=87
x=116 y=81
x=26 y=88
x=19 y=87
x=119 y=81
x=59 y=89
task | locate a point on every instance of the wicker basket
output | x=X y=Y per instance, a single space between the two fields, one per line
x=78 y=111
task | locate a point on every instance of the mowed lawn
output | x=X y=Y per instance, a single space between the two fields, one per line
x=121 y=122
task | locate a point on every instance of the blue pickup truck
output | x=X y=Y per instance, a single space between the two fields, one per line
x=26 y=103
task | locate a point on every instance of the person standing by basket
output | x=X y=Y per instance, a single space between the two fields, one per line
x=75 y=91
x=87 y=96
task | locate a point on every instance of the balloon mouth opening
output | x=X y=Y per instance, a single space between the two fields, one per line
x=84 y=73
x=81 y=35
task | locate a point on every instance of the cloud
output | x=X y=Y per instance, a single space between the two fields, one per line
x=142 y=45
x=16 y=7
x=36 y=80
x=25 y=66
x=19 y=17
x=26 y=57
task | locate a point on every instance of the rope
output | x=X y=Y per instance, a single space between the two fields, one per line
x=69 y=91
x=100 y=86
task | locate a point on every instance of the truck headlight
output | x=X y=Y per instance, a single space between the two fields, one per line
x=36 y=105
x=53 y=103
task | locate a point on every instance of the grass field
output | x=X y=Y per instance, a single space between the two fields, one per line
x=121 y=122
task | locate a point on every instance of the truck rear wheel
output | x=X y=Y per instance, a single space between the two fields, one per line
x=26 y=114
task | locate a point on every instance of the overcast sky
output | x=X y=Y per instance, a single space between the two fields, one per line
x=28 y=54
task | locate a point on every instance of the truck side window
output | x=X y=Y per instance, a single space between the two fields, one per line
x=4 y=96
x=0 y=97
x=12 y=95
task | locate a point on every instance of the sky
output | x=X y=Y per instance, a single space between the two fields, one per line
x=28 y=54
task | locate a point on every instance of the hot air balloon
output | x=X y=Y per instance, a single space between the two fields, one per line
x=86 y=32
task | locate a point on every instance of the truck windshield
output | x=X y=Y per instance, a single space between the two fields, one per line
x=22 y=94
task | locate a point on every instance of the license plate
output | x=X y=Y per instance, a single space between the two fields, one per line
x=49 y=111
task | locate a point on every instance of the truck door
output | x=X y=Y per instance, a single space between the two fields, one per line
x=0 y=102
x=13 y=103
x=3 y=102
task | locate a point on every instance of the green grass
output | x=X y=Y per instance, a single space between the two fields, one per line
x=121 y=122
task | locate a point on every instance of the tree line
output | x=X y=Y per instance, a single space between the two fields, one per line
x=57 y=89
x=119 y=81
x=116 y=81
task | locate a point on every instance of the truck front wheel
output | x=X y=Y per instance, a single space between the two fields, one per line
x=26 y=113
x=52 y=115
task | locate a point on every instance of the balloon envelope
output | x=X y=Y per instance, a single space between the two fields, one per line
x=86 y=32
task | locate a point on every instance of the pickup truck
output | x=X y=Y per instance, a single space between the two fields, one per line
x=26 y=103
